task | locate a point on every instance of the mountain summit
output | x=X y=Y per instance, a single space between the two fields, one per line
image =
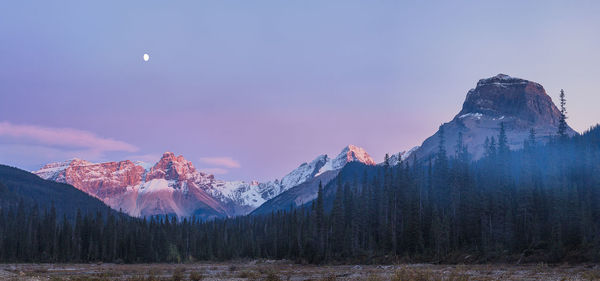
x=519 y=104
x=503 y=95
x=352 y=153
x=171 y=167
x=171 y=187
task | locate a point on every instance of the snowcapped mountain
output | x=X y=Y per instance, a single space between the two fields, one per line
x=318 y=166
x=350 y=153
x=402 y=156
x=249 y=196
x=174 y=186
x=301 y=185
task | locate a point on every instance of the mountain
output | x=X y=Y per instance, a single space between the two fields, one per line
x=246 y=197
x=171 y=187
x=16 y=184
x=402 y=156
x=319 y=165
x=321 y=170
x=519 y=104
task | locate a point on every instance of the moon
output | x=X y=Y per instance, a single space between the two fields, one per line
x=146 y=57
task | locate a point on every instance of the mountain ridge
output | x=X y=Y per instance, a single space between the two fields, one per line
x=166 y=187
x=174 y=186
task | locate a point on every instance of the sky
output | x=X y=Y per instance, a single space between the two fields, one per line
x=249 y=90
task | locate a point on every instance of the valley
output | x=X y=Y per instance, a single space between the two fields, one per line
x=299 y=140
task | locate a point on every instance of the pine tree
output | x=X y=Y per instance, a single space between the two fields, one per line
x=562 y=121
x=337 y=217
x=502 y=141
x=320 y=221
x=492 y=148
x=440 y=172
x=442 y=157
x=530 y=142
x=386 y=160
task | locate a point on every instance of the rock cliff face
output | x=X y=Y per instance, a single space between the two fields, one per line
x=520 y=104
x=171 y=187
x=503 y=95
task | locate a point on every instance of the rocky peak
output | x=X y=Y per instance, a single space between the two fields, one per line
x=502 y=79
x=503 y=95
x=78 y=162
x=517 y=104
x=171 y=167
x=352 y=153
x=57 y=169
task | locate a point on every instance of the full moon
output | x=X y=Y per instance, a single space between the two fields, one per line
x=146 y=57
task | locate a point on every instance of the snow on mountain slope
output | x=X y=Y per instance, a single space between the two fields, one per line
x=241 y=197
x=351 y=153
x=171 y=186
x=402 y=156
x=318 y=166
x=53 y=171
x=304 y=172
x=307 y=177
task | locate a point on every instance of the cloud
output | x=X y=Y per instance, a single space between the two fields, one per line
x=227 y=162
x=215 y=171
x=64 y=137
x=33 y=157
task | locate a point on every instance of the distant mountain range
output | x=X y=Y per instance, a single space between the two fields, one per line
x=173 y=186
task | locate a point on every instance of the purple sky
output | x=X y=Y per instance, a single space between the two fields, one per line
x=251 y=89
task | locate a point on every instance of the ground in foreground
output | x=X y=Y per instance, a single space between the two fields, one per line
x=282 y=270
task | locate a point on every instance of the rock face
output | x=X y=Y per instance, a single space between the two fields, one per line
x=351 y=153
x=503 y=95
x=520 y=104
x=171 y=187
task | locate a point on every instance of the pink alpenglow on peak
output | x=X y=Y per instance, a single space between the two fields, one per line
x=171 y=187
x=171 y=167
x=350 y=153
x=353 y=153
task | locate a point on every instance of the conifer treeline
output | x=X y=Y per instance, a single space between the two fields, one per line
x=540 y=203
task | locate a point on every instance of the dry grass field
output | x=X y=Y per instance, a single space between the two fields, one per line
x=282 y=270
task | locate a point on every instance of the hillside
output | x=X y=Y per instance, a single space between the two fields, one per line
x=16 y=184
